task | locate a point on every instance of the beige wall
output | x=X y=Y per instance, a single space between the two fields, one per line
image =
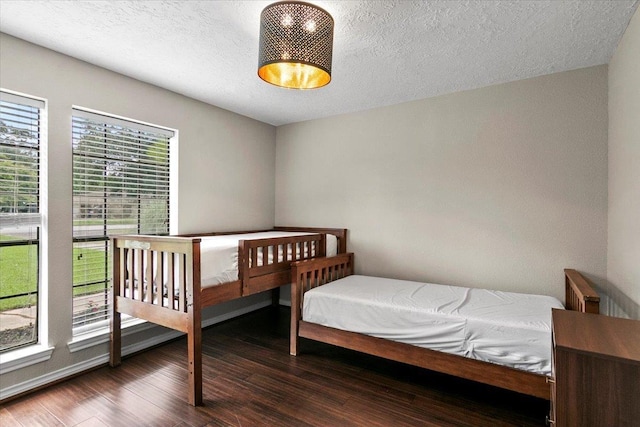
x=500 y=187
x=623 y=265
x=226 y=170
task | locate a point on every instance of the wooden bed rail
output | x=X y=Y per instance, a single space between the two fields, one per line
x=340 y=233
x=579 y=294
x=270 y=259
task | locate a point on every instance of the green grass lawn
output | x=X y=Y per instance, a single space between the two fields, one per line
x=18 y=272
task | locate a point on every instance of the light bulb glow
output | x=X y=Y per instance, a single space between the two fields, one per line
x=287 y=20
x=310 y=25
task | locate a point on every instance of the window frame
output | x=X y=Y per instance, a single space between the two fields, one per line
x=36 y=350
x=93 y=333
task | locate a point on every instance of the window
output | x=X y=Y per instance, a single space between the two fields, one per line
x=20 y=219
x=120 y=186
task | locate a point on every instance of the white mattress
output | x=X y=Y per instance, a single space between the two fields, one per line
x=219 y=254
x=506 y=328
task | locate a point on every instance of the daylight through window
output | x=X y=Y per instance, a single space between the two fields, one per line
x=20 y=219
x=120 y=186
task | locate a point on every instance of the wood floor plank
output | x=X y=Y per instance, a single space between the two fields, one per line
x=133 y=402
x=32 y=413
x=251 y=380
x=111 y=414
x=64 y=402
x=7 y=419
x=92 y=422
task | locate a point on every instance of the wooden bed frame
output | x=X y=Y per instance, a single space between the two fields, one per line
x=310 y=274
x=178 y=258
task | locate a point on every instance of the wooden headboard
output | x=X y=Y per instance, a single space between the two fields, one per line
x=579 y=294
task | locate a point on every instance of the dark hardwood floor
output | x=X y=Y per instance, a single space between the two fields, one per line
x=251 y=380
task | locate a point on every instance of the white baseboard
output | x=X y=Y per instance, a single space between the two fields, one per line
x=77 y=368
x=285 y=302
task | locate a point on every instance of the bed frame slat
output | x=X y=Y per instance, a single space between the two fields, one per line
x=157 y=294
x=148 y=278
x=131 y=268
x=139 y=273
x=153 y=313
x=171 y=282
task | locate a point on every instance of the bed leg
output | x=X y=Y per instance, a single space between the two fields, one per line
x=275 y=297
x=115 y=324
x=294 y=340
x=294 y=343
x=195 y=366
x=115 y=344
x=194 y=349
x=194 y=326
x=295 y=315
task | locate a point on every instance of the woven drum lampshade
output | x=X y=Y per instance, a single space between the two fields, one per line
x=296 y=43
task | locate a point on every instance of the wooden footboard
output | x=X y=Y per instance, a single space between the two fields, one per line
x=309 y=274
x=158 y=279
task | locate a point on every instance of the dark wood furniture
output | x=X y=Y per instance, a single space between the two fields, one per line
x=172 y=264
x=307 y=275
x=596 y=370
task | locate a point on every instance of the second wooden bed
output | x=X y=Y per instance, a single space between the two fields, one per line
x=158 y=279
x=307 y=275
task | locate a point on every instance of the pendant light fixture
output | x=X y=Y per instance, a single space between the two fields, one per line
x=296 y=43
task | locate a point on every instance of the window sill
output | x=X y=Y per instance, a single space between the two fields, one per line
x=23 y=357
x=101 y=335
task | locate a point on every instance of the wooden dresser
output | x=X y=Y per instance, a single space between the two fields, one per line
x=596 y=370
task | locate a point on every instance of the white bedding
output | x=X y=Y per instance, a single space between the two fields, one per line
x=506 y=328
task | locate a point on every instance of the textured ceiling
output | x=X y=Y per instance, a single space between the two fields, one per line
x=385 y=52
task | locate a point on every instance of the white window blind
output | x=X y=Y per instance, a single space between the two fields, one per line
x=20 y=219
x=120 y=186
